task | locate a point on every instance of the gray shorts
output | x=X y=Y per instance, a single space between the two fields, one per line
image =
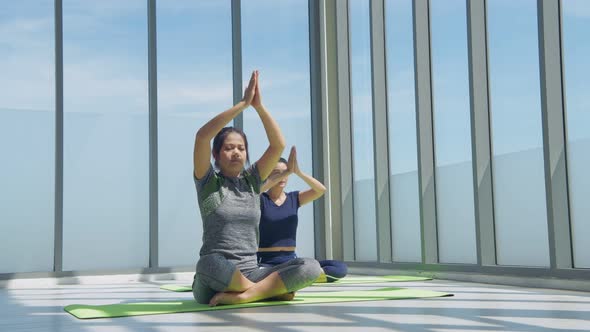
x=214 y=273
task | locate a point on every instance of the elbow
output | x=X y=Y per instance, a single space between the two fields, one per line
x=202 y=136
x=282 y=145
x=279 y=144
x=199 y=135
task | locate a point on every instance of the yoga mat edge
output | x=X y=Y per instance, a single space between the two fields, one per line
x=180 y=306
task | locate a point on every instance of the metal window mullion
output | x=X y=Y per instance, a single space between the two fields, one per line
x=153 y=134
x=345 y=134
x=554 y=149
x=59 y=140
x=424 y=129
x=236 y=33
x=480 y=132
x=380 y=133
x=316 y=97
x=331 y=118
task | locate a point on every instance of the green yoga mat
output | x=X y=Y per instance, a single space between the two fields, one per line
x=345 y=280
x=167 y=307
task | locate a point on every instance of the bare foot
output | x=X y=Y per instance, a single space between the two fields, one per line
x=225 y=298
x=283 y=297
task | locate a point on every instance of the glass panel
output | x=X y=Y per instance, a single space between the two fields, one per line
x=452 y=133
x=365 y=226
x=576 y=48
x=106 y=201
x=517 y=143
x=278 y=46
x=403 y=149
x=27 y=135
x=194 y=84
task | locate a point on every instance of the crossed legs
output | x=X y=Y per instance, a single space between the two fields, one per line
x=218 y=281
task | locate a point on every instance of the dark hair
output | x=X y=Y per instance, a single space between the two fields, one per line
x=220 y=138
x=283 y=160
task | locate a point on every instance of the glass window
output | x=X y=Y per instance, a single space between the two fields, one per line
x=576 y=48
x=365 y=227
x=27 y=135
x=106 y=198
x=403 y=150
x=278 y=46
x=194 y=84
x=517 y=142
x=452 y=132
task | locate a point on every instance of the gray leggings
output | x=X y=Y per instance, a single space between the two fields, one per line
x=214 y=273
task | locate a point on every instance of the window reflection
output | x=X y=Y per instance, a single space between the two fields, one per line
x=517 y=144
x=576 y=48
x=452 y=132
x=27 y=135
x=365 y=227
x=403 y=158
x=106 y=198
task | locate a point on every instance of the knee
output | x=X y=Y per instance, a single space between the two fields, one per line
x=300 y=273
x=208 y=263
x=310 y=267
x=335 y=269
x=201 y=292
x=214 y=271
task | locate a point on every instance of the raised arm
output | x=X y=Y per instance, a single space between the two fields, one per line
x=276 y=177
x=202 y=151
x=276 y=141
x=273 y=179
x=316 y=188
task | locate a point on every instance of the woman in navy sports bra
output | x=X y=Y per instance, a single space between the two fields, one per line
x=278 y=219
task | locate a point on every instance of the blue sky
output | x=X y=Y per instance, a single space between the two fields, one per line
x=105 y=74
x=28 y=55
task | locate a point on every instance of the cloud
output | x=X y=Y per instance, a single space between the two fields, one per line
x=26 y=34
x=577 y=8
x=184 y=5
x=175 y=93
x=27 y=63
x=111 y=79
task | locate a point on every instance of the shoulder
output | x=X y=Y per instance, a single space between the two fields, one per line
x=209 y=183
x=294 y=196
x=252 y=170
x=252 y=176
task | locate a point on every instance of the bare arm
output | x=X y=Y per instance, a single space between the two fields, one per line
x=276 y=141
x=316 y=188
x=202 y=151
x=273 y=179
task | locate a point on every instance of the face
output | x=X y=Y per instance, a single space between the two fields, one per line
x=281 y=167
x=232 y=157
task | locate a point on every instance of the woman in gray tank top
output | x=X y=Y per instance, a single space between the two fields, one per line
x=227 y=271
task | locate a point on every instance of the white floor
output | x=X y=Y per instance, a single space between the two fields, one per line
x=475 y=307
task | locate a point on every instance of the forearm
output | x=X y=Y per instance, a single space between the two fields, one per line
x=211 y=128
x=313 y=183
x=273 y=180
x=273 y=131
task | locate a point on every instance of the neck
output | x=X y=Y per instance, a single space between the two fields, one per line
x=275 y=192
x=230 y=173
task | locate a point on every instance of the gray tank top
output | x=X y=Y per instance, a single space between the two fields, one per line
x=230 y=209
